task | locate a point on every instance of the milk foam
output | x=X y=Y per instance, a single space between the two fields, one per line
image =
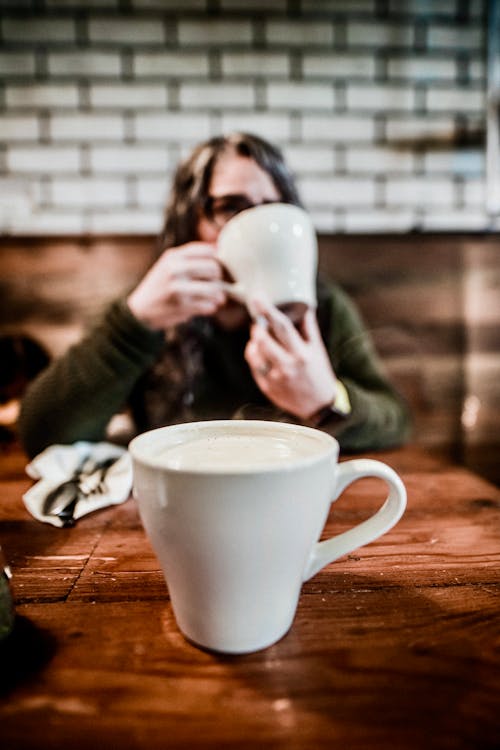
x=239 y=452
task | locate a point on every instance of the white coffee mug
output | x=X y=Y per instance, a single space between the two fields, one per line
x=234 y=510
x=271 y=251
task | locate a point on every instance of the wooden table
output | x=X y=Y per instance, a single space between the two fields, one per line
x=396 y=646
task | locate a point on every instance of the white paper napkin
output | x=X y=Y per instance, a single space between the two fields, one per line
x=59 y=463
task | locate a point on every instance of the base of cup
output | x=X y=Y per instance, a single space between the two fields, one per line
x=236 y=650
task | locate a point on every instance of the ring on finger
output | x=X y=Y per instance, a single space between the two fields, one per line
x=264 y=369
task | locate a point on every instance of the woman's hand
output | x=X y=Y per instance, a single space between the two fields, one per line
x=291 y=366
x=183 y=283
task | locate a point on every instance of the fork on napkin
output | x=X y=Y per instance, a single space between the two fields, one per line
x=77 y=479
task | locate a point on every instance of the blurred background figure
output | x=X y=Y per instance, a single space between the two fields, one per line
x=21 y=359
x=178 y=349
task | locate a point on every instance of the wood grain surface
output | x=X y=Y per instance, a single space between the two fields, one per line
x=394 y=646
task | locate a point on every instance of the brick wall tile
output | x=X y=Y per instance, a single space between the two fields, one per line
x=370 y=34
x=167 y=64
x=336 y=191
x=274 y=126
x=214 y=32
x=477 y=71
x=455 y=99
x=153 y=192
x=362 y=160
x=420 y=192
x=445 y=7
x=339 y=6
x=69 y=4
x=161 y=5
x=379 y=98
x=335 y=65
x=455 y=38
x=199 y=95
x=17 y=63
x=89 y=191
x=477 y=8
x=18 y=196
x=43 y=159
x=84 y=63
x=474 y=193
x=302 y=33
x=413 y=128
x=129 y=96
x=17 y=4
x=46 y=221
x=131 y=159
x=452 y=221
x=326 y=220
x=35 y=29
x=51 y=95
x=137 y=221
x=258 y=63
x=86 y=127
x=309 y=158
x=309 y=96
x=379 y=221
x=337 y=128
x=19 y=128
x=458 y=162
x=234 y=5
x=126 y=30
x=423 y=68
x=172 y=126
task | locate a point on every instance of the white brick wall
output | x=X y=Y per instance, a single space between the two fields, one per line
x=41 y=96
x=86 y=191
x=251 y=64
x=89 y=63
x=221 y=95
x=86 y=127
x=337 y=128
x=34 y=29
x=303 y=34
x=128 y=95
x=43 y=159
x=173 y=126
x=370 y=102
x=133 y=31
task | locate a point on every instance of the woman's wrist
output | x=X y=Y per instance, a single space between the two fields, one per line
x=338 y=408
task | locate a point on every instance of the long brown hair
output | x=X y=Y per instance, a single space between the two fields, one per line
x=192 y=180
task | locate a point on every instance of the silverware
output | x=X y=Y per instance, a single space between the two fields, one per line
x=90 y=484
x=88 y=479
x=66 y=492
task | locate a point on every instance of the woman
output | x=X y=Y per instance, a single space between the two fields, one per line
x=177 y=349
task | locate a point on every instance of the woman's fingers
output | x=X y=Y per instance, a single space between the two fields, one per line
x=195 y=260
x=269 y=361
x=310 y=328
x=277 y=325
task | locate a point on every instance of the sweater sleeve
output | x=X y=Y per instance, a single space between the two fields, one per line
x=77 y=394
x=380 y=417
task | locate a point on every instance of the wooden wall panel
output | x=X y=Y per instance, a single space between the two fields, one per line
x=431 y=303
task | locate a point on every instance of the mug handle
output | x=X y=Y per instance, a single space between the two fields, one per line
x=234 y=289
x=384 y=519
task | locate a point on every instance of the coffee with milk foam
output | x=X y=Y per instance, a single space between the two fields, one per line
x=245 y=452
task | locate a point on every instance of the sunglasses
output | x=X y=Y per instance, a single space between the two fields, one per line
x=219 y=210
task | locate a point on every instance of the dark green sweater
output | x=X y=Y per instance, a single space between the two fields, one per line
x=76 y=396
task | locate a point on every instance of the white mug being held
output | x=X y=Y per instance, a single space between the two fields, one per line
x=271 y=252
